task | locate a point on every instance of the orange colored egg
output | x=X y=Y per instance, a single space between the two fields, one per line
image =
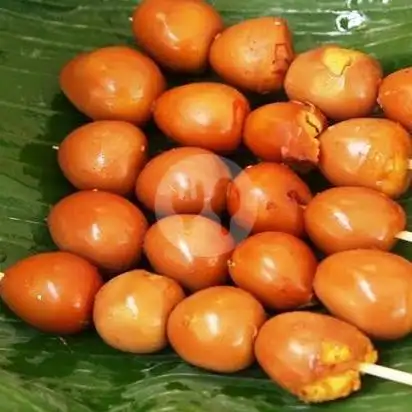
x=102 y=227
x=104 y=155
x=268 y=197
x=367 y=152
x=215 y=328
x=343 y=83
x=132 y=309
x=113 y=83
x=254 y=54
x=194 y=250
x=52 y=291
x=206 y=115
x=184 y=180
x=285 y=132
x=345 y=218
x=277 y=268
x=177 y=34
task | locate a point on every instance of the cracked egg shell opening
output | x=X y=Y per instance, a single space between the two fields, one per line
x=254 y=54
x=314 y=356
x=268 y=197
x=343 y=83
x=285 y=132
x=367 y=152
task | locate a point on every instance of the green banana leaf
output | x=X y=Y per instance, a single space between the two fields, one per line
x=42 y=373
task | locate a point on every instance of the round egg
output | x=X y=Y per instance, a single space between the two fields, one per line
x=184 y=180
x=345 y=218
x=370 y=289
x=343 y=83
x=52 y=291
x=395 y=97
x=268 y=197
x=131 y=311
x=194 y=250
x=177 y=34
x=113 y=83
x=215 y=328
x=102 y=227
x=313 y=356
x=104 y=155
x=285 y=132
x=276 y=268
x=207 y=115
x=367 y=152
x=254 y=54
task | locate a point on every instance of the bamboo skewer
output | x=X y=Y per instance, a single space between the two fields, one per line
x=386 y=373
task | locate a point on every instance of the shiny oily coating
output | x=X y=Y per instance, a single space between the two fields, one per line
x=254 y=54
x=314 y=356
x=395 y=97
x=104 y=155
x=367 y=152
x=113 y=83
x=208 y=115
x=370 y=289
x=268 y=197
x=184 y=180
x=285 y=132
x=131 y=311
x=52 y=291
x=177 y=34
x=191 y=249
x=345 y=218
x=277 y=268
x=343 y=83
x=215 y=328
x=102 y=227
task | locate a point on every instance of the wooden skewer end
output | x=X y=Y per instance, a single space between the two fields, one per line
x=404 y=235
x=386 y=373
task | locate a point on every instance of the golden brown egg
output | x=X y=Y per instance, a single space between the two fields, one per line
x=367 y=152
x=215 y=328
x=207 y=115
x=184 y=180
x=52 y=291
x=344 y=218
x=191 y=249
x=104 y=155
x=254 y=54
x=268 y=197
x=177 y=33
x=315 y=357
x=102 y=227
x=370 y=289
x=132 y=309
x=277 y=268
x=395 y=97
x=343 y=83
x=285 y=132
x=113 y=83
